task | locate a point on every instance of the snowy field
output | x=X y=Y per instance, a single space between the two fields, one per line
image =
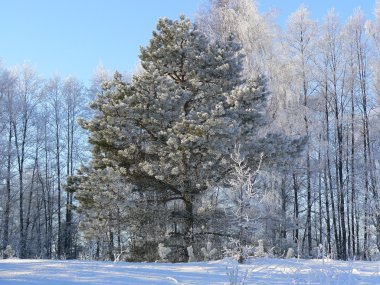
x=259 y=271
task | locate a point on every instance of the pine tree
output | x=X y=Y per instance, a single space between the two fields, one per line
x=172 y=129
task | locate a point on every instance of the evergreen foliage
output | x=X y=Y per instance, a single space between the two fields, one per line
x=170 y=132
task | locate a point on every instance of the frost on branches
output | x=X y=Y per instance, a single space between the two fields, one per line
x=169 y=134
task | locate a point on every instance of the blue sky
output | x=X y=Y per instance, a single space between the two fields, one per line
x=71 y=37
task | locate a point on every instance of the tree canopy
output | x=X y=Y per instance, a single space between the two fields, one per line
x=172 y=129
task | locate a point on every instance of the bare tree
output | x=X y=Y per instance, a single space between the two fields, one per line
x=27 y=95
x=301 y=38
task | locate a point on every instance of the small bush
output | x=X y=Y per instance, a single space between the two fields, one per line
x=9 y=252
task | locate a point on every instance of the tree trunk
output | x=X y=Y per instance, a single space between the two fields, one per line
x=57 y=157
x=296 y=208
x=349 y=245
x=283 y=208
x=355 y=249
x=328 y=224
x=8 y=192
x=320 y=206
x=20 y=150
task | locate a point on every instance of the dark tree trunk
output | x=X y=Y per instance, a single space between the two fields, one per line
x=8 y=192
x=296 y=208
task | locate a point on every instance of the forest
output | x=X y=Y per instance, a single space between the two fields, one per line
x=235 y=137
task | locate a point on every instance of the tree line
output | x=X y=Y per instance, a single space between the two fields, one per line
x=41 y=145
x=234 y=131
x=324 y=80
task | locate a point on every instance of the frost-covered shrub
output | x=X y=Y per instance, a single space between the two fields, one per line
x=290 y=253
x=190 y=252
x=163 y=252
x=375 y=256
x=259 y=250
x=237 y=277
x=9 y=252
x=208 y=252
x=319 y=251
x=238 y=252
x=281 y=246
x=275 y=251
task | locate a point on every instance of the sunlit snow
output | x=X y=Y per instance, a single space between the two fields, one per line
x=258 y=271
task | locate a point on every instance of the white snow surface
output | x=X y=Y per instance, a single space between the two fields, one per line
x=258 y=271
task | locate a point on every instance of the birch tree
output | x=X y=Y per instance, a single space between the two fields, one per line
x=301 y=39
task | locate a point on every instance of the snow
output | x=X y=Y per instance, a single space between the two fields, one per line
x=258 y=271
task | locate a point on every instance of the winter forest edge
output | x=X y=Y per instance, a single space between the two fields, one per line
x=234 y=138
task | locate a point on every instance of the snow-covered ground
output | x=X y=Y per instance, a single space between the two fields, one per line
x=259 y=271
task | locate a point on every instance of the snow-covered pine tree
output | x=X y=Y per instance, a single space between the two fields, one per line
x=103 y=197
x=171 y=130
x=241 y=209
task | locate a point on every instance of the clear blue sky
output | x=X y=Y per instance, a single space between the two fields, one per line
x=71 y=37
